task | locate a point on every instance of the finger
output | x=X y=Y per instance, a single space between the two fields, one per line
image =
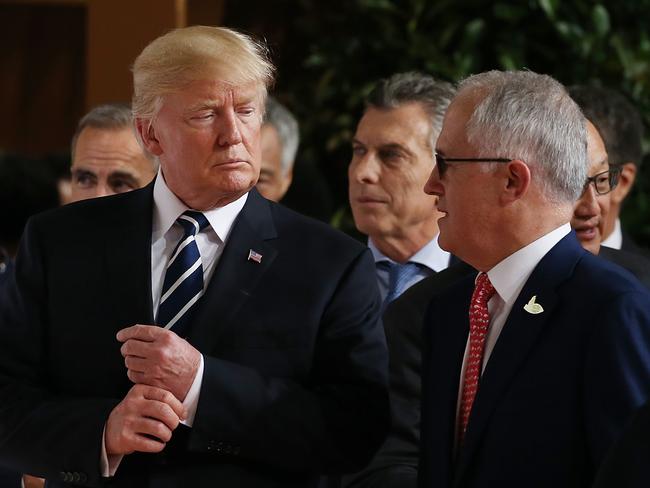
x=160 y=395
x=141 y=379
x=161 y=412
x=146 y=333
x=152 y=428
x=137 y=347
x=144 y=443
x=136 y=364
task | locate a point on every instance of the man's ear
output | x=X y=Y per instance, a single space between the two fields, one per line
x=518 y=178
x=147 y=135
x=625 y=183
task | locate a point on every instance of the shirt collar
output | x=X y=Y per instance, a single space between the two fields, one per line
x=615 y=239
x=168 y=207
x=509 y=276
x=430 y=255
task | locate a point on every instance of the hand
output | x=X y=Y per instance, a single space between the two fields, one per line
x=143 y=421
x=32 y=482
x=158 y=357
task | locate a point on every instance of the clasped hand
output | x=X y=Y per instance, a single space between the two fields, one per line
x=163 y=366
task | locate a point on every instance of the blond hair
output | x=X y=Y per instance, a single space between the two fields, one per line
x=185 y=55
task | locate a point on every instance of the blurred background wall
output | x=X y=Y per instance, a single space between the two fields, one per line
x=60 y=57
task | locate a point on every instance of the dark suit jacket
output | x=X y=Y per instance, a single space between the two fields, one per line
x=9 y=478
x=637 y=264
x=295 y=380
x=558 y=387
x=626 y=464
x=395 y=464
x=629 y=245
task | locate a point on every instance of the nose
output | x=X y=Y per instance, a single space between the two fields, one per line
x=433 y=186
x=103 y=189
x=229 y=132
x=587 y=206
x=364 y=169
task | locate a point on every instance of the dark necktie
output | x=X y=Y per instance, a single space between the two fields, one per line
x=183 y=284
x=479 y=322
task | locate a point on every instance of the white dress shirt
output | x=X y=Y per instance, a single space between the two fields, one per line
x=508 y=278
x=615 y=239
x=431 y=257
x=165 y=234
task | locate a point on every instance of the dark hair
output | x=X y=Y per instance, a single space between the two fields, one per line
x=412 y=86
x=617 y=121
x=27 y=187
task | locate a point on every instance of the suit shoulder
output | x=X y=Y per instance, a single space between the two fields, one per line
x=312 y=233
x=100 y=210
x=605 y=277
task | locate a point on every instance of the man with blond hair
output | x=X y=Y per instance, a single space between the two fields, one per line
x=192 y=332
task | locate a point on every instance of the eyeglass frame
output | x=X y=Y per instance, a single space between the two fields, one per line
x=614 y=171
x=442 y=162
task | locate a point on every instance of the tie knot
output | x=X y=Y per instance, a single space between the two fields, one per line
x=483 y=289
x=399 y=276
x=192 y=222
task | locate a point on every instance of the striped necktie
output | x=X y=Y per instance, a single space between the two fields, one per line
x=399 y=276
x=183 y=284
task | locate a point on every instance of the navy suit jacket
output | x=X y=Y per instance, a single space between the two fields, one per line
x=295 y=380
x=558 y=387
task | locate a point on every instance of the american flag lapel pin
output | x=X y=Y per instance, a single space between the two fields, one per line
x=254 y=256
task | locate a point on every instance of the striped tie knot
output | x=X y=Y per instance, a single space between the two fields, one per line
x=192 y=222
x=183 y=283
x=399 y=276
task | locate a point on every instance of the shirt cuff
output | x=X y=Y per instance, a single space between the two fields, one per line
x=191 y=401
x=108 y=464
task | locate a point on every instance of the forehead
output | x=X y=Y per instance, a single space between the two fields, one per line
x=111 y=149
x=596 y=152
x=453 y=135
x=406 y=124
x=214 y=92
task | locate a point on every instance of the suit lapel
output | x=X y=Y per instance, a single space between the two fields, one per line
x=128 y=242
x=518 y=338
x=448 y=340
x=236 y=275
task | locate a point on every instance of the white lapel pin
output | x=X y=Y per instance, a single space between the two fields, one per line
x=254 y=256
x=533 y=307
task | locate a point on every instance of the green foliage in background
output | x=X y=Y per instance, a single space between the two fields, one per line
x=329 y=54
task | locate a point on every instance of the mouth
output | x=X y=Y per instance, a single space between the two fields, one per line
x=230 y=162
x=371 y=200
x=587 y=232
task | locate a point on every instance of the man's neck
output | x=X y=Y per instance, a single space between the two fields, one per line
x=401 y=248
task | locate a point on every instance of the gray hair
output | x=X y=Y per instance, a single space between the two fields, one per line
x=528 y=116
x=286 y=124
x=110 y=116
x=413 y=87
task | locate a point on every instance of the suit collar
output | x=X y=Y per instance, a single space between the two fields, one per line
x=518 y=338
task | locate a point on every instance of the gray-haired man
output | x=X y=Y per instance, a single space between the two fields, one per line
x=280 y=139
x=106 y=156
x=392 y=157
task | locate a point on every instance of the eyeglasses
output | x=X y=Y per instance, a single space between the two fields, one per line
x=604 y=182
x=442 y=163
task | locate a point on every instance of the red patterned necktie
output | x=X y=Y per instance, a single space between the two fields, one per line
x=479 y=321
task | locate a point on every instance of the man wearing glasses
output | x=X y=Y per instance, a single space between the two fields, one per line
x=590 y=215
x=621 y=128
x=531 y=368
